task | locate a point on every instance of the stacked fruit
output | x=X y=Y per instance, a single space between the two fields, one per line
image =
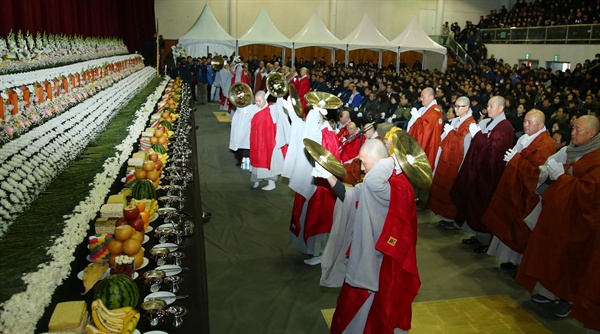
x=151 y=169
x=160 y=135
x=98 y=245
x=122 y=320
x=147 y=208
x=127 y=241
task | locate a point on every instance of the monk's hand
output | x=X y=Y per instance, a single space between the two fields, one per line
x=509 y=154
x=396 y=163
x=448 y=128
x=415 y=113
x=555 y=169
x=473 y=129
x=320 y=172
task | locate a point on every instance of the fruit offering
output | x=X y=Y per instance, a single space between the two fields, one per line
x=92 y=274
x=127 y=241
x=98 y=245
x=121 y=320
x=117 y=291
x=123 y=265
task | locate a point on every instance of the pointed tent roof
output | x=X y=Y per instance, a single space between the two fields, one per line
x=366 y=36
x=414 y=38
x=315 y=33
x=263 y=31
x=207 y=31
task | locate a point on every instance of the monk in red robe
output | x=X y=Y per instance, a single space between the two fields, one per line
x=302 y=85
x=515 y=196
x=481 y=171
x=382 y=278
x=426 y=125
x=453 y=148
x=562 y=252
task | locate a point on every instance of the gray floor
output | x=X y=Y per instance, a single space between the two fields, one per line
x=258 y=284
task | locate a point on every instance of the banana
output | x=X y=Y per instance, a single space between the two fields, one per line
x=113 y=325
x=91 y=329
x=116 y=313
x=97 y=321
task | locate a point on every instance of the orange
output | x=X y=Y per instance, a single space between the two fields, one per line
x=140 y=174
x=158 y=133
x=152 y=176
x=139 y=236
x=123 y=232
x=162 y=140
x=111 y=260
x=155 y=183
x=131 y=247
x=115 y=247
x=145 y=218
x=141 y=206
x=138 y=259
x=149 y=165
x=153 y=140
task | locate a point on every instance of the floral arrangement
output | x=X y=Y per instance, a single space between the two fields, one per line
x=32 y=161
x=35 y=113
x=178 y=52
x=22 y=53
x=23 y=310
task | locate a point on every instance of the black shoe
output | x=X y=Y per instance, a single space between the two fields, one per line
x=481 y=249
x=238 y=164
x=206 y=216
x=508 y=266
x=471 y=241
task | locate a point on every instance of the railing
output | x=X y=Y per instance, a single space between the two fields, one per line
x=453 y=46
x=567 y=34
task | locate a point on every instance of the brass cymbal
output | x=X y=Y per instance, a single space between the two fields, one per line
x=217 y=62
x=276 y=84
x=324 y=158
x=406 y=149
x=240 y=95
x=323 y=100
x=295 y=97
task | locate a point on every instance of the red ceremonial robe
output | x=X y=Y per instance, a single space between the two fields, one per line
x=560 y=252
x=262 y=138
x=258 y=82
x=453 y=151
x=319 y=211
x=427 y=130
x=479 y=175
x=398 y=276
x=303 y=87
x=586 y=307
x=351 y=147
x=515 y=195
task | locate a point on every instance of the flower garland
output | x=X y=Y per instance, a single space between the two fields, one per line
x=29 y=164
x=25 y=53
x=23 y=310
x=31 y=115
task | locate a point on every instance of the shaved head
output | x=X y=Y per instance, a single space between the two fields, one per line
x=584 y=129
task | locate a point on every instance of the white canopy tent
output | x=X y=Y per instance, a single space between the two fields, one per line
x=366 y=36
x=315 y=33
x=263 y=31
x=414 y=38
x=207 y=36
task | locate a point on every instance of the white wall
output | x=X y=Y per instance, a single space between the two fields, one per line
x=340 y=16
x=511 y=53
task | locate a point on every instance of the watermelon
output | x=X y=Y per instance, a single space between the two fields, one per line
x=158 y=148
x=118 y=291
x=166 y=124
x=143 y=189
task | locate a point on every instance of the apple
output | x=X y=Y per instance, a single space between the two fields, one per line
x=153 y=157
x=121 y=221
x=131 y=212
x=158 y=164
x=137 y=224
